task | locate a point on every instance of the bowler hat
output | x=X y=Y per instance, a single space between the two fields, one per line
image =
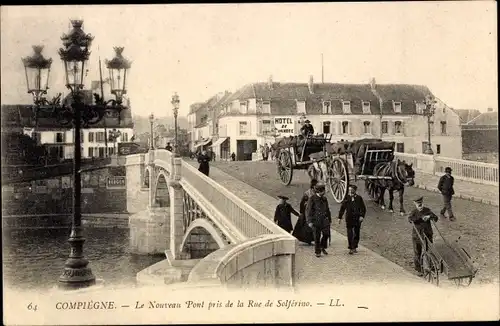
x=447 y=169
x=353 y=187
x=307 y=121
x=419 y=200
x=283 y=197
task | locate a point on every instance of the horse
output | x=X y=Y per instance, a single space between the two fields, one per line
x=401 y=174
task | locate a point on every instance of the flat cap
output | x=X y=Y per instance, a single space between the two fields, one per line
x=447 y=169
x=307 y=121
x=353 y=186
x=283 y=197
x=419 y=200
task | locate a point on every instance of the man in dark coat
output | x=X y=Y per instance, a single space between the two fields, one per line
x=302 y=231
x=421 y=218
x=355 y=210
x=203 y=159
x=445 y=186
x=307 y=129
x=283 y=214
x=319 y=219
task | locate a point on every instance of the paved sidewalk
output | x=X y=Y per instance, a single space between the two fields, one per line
x=336 y=268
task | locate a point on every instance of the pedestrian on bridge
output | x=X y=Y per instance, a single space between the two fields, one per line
x=421 y=218
x=203 y=159
x=302 y=231
x=445 y=186
x=355 y=210
x=319 y=218
x=283 y=214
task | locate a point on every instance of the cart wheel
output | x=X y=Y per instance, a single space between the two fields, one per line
x=338 y=179
x=285 y=169
x=463 y=282
x=431 y=269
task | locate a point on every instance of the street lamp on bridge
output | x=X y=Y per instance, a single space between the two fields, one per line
x=151 y=136
x=74 y=54
x=429 y=110
x=175 y=106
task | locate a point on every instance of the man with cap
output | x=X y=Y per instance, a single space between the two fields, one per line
x=319 y=219
x=307 y=129
x=355 y=210
x=421 y=217
x=282 y=215
x=445 y=186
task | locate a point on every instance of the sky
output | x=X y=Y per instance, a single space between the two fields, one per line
x=200 y=50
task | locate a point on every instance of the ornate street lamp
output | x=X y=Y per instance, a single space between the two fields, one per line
x=429 y=110
x=118 y=67
x=74 y=54
x=37 y=69
x=175 y=104
x=151 y=137
x=113 y=136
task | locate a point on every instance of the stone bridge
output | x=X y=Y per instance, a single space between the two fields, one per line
x=206 y=233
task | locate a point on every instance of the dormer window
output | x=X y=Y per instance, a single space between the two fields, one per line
x=420 y=108
x=243 y=107
x=397 y=107
x=327 y=107
x=346 y=106
x=366 y=107
x=301 y=107
x=266 y=107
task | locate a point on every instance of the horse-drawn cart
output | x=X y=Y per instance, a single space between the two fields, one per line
x=444 y=257
x=335 y=164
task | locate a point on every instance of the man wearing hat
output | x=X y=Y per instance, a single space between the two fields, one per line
x=319 y=219
x=445 y=186
x=282 y=215
x=355 y=210
x=307 y=129
x=421 y=217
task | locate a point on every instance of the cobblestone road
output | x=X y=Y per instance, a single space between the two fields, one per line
x=336 y=268
x=388 y=234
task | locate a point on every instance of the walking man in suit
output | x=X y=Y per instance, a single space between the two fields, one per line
x=355 y=210
x=445 y=186
x=319 y=219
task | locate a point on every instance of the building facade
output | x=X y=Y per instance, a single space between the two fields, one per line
x=58 y=139
x=480 y=138
x=259 y=113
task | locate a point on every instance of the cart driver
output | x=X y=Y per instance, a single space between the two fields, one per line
x=421 y=217
x=307 y=129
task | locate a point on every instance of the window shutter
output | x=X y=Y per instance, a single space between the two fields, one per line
x=403 y=128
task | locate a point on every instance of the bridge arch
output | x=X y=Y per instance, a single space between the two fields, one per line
x=202 y=238
x=147 y=176
x=160 y=190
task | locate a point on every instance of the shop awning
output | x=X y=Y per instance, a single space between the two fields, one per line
x=202 y=143
x=218 y=142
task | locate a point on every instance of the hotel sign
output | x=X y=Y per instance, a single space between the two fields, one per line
x=116 y=183
x=285 y=126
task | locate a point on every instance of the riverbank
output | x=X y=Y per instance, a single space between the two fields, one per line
x=43 y=221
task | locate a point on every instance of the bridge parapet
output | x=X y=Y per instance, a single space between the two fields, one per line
x=267 y=260
x=470 y=171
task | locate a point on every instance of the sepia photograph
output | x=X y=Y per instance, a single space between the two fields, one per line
x=250 y=163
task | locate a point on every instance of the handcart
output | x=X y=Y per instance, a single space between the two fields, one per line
x=445 y=257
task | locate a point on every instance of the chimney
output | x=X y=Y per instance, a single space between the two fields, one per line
x=372 y=83
x=270 y=82
x=490 y=109
x=311 y=84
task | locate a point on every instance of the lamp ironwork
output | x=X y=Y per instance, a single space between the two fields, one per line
x=77 y=114
x=428 y=112
x=175 y=105
x=151 y=136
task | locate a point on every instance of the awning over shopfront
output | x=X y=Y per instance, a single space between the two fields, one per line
x=218 y=142
x=203 y=143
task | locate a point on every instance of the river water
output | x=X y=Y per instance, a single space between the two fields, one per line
x=34 y=258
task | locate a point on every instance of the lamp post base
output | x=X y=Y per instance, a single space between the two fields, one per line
x=76 y=278
x=429 y=151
